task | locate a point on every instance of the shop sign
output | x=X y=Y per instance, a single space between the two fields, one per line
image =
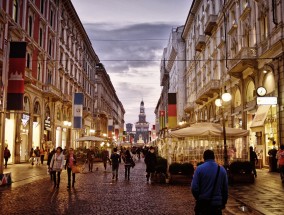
x=266 y=100
x=47 y=124
x=25 y=119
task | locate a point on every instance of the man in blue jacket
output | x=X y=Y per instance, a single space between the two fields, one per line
x=209 y=201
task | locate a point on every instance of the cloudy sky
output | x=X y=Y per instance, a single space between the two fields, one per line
x=129 y=37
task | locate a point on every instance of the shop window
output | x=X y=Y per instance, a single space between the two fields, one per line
x=30 y=27
x=40 y=37
x=238 y=99
x=269 y=82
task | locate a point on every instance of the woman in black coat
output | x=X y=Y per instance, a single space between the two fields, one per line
x=151 y=161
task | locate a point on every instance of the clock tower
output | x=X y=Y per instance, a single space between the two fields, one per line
x=142 y=126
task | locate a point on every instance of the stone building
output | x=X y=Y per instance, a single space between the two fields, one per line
x=237 y=46
x=142 y=127
x=60 y=61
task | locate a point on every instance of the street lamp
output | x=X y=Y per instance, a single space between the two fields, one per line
x=226 y=97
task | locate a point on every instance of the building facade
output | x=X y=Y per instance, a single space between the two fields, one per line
x=60 y=61
x=236 y=46
x=142 y=127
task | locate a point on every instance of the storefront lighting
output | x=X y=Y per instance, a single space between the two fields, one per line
x=102 y=144
x=92 y=131
x=108 y=144
x=226 y=96
x=104 y=134
x=264 y=71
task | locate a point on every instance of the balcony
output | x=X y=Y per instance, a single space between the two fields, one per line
x=189 y=107
x=67 y=98
x=28 y=75
x=51 y=91
x=208 y=90
x=244 y=59
x=200 y=43
x=210 y=24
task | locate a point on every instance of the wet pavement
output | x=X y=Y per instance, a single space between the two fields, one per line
x=32 y=192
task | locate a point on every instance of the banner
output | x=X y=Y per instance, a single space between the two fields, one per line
x=172 y=110
x=162 y=119
x=110 y=128
x=16 y=75
x=78 y=110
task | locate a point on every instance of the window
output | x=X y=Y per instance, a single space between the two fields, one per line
x=66 y=87
x=51 y=18
x=15 y=10
x=50 y=47
x=49 y=77
x=30 y=27
x=28 y=61
x=40 y=36
x=264 y=27
x=38 y=72
x=42 y=2
x=60 y=83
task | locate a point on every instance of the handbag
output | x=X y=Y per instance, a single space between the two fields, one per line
x=76 y=169
x=203 y=205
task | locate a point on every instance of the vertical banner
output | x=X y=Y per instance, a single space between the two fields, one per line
x=172 y=110
x=16 y=75
x=162 y=119
x=78 y=110
x=110 y=128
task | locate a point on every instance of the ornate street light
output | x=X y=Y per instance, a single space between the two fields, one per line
x=226 y=97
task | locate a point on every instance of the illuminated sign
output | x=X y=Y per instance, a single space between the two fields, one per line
x=266 y=100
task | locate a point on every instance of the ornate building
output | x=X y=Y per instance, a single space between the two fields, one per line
x=60 y=61
x=142 y=127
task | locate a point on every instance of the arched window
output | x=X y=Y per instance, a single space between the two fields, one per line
x=237 y=98
x=269 y=82
x=250 y=91
x=28 y=61
x=37 y=108
x=39 y=72
x=26 y=104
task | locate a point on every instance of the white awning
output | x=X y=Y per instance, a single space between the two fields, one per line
x=260 y=116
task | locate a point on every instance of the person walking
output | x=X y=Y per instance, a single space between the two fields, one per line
x=150 y=161
x=50 y=155
x=90 y=157
x=37 y=155
x=56 y=165
x=115 y=158
x=280 y=156
x=41 y=152
x=105 y=158
x=70 y=162
x=253 y=160
x=7 y=155
x=32 y=156
x=272 y=158
x=209 y=186
x=128 y=162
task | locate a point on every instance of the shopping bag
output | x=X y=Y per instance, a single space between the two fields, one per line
x=76 y=169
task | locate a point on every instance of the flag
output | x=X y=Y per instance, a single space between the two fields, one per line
x=172 y=110
x=110 y=128
x=78 y=110
x=162 y=119
x=16 y=75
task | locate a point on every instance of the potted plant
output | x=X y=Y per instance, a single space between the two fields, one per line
x=181 y=173
x=240 y=172
x=161 y=170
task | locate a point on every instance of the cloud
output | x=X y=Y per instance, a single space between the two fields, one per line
x=131 y=55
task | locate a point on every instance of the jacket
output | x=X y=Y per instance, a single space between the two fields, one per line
x=68 y=159
x=203 y=182
x=57 y=162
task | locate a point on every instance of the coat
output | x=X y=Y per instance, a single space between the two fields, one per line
x=151 y=161
x=57 y=162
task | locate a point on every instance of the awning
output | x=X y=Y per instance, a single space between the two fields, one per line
x=260 y=116
x=89 y=138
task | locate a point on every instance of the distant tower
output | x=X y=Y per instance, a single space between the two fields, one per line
x=129 y=127
x=142 y=127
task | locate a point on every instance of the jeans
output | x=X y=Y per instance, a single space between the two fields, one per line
x=41 y=159
x=127 y=171
x=58 y=178
x=115 y=171
x=6 y=161
x=91 y=163
x=69 y=172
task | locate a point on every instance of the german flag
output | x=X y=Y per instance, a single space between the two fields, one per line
x=172 y=110
x=162 y=119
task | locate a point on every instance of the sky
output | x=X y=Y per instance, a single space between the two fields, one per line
x=129 y=37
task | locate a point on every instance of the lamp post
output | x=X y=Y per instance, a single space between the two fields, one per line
x=226 y=97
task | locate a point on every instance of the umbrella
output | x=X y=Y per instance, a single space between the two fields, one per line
x=90 y=138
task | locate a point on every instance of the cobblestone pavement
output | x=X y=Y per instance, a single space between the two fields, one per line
x=95 y=193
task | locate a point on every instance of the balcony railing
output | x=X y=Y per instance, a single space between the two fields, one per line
x=210 y=24
x=200 y=43
x=51 y=91
x=209 y=89
x=244 y=59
